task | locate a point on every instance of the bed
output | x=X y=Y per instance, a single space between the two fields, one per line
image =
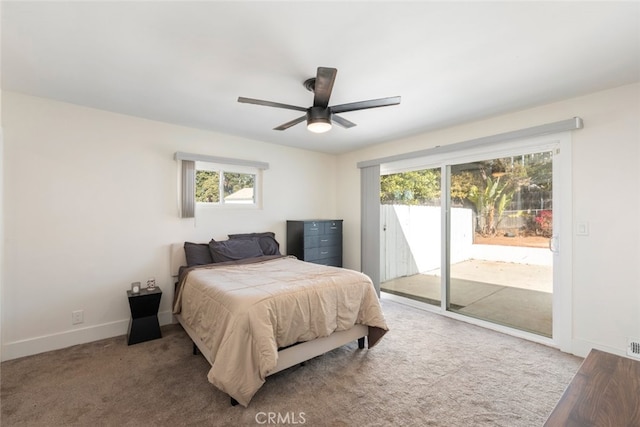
x=258 y=315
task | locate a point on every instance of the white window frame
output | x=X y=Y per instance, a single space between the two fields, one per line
x=491 y=145
x=221 y=168
x=190 y=163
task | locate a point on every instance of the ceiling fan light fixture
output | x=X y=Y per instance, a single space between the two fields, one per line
x=320 y=116
x=319 y=126
x=318 y=120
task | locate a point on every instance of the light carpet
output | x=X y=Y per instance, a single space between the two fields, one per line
x=429 y=370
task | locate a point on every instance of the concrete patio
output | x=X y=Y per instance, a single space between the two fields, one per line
x=508 y=293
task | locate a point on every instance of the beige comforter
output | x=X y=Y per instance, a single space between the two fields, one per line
x=244 y=313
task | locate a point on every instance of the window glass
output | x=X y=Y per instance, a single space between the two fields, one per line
x=219 y=184
x=239 y=187
x=207 y=186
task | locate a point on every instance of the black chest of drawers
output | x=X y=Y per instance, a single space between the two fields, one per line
x=317 y=241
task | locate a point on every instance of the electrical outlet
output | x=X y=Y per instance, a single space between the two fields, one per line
x=77 y=317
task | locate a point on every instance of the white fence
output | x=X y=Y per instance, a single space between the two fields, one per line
x=411 y=242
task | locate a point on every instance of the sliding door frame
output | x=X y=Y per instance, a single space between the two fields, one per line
x=560 y=145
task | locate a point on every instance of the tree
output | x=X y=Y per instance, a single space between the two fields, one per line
x=420 y=187
x=491 y=187
x=490 y=202
x=461 y=184
x=207 y=186
x=237 y=181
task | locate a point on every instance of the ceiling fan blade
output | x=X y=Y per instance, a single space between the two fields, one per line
x=269 y=104
x=342 y=121
x=363 y=105
x=323 y=86
x=293 y=122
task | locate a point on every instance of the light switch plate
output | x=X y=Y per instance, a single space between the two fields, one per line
x=582 y=228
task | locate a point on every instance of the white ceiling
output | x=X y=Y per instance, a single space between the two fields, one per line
x=187 y=62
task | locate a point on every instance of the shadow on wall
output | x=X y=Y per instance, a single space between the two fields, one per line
x=411 y=239
x=411 y=242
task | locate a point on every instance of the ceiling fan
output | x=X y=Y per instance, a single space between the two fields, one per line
x=320 y=116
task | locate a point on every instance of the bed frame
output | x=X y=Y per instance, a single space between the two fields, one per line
x=287 y=357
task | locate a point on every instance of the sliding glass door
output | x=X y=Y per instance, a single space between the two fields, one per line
x=472 y=235
x=410 y=214
x=501 y=222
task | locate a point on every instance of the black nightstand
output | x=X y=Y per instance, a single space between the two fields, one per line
x=144 y=325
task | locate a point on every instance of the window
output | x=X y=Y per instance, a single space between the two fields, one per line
x=218 y=182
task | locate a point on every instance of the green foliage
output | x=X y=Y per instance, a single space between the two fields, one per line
x=491 y=202
x=461 y=184
x=489 y=186
x=420 y=187
x=207 y=186
x=237 y=181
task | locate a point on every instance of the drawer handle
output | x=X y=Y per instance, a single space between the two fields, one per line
x=324 y=253
x=324 y=240
x=314 y=229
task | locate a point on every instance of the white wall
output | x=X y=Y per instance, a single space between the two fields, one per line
x=90 y=205
x=606 y=194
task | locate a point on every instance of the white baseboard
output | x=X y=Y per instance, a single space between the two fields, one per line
x=31 y=346
x=582 y=348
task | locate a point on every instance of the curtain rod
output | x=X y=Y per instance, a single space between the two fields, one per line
x=224 y=160
x=545 y=129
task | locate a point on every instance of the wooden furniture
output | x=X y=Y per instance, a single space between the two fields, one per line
x=144 y=325
x=604 y=392
x=317 y=241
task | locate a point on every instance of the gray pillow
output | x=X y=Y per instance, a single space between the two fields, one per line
x=266 y=240
x=197 y=253
x=234 y=249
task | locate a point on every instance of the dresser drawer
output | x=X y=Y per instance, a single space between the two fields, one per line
x=313 y=228
x=333 y=227
x=330 y=240
x=329 y=252
x=311 y=254
x=312 y=242
x=334 y=262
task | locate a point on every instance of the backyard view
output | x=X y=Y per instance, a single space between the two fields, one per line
x=500 y=224
x=212 y=186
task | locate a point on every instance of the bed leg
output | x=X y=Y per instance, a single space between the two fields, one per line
x=195 y=349
x=233 y=401
x=361 y=342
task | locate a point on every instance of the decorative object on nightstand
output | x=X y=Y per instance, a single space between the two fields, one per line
x=144 y=325
x=135 y=288
x=317 y=241
x=151 y=283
